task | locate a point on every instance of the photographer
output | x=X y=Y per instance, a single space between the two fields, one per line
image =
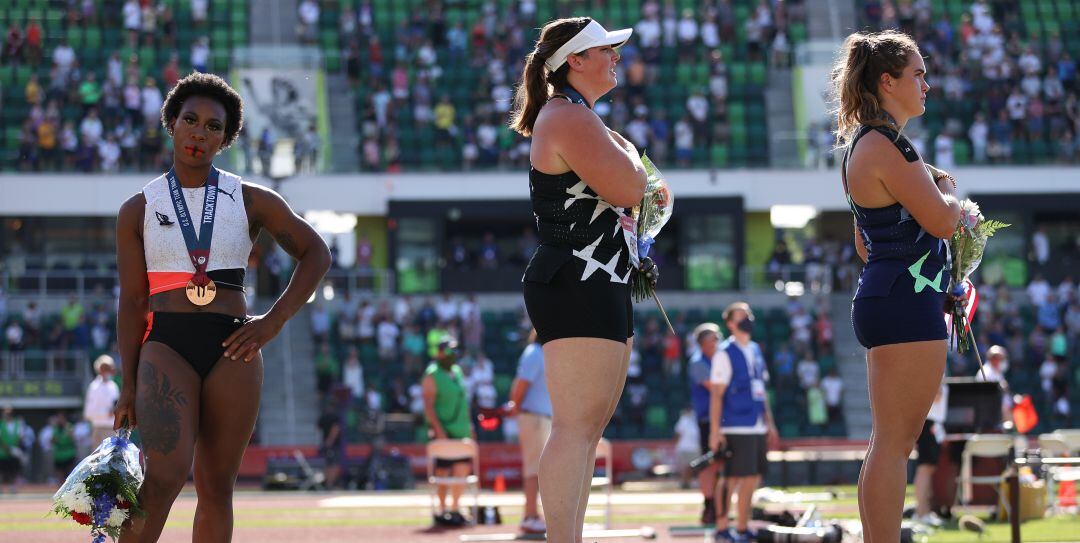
x=699 y=372
x=739 y=419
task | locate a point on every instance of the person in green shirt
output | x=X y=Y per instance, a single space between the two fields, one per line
x=71 y=313
x=446 y=408
x=63 y=446
x=90 y=91
x=327 y=369
x=10 y=453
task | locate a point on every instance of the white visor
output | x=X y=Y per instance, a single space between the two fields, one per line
x=593 y=35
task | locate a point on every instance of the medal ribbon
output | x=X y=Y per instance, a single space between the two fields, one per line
x=198 y=248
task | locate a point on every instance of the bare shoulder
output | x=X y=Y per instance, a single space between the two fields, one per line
x=559 y=118
x=131 y=211
x=256 y=191
x=881 y=154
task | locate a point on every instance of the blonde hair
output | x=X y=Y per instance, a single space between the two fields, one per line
x=537 y=82
x=864 y=57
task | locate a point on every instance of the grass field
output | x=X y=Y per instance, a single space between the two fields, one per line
x=403 y=516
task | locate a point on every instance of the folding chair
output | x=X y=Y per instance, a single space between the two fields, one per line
x=1059 y=443
x=986 y=446
x=603 y=450
x=451 y=449
x=1071 y=438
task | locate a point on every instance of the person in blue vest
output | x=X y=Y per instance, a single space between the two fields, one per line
x=531 y=404
x=707 y=336
x=739 y=419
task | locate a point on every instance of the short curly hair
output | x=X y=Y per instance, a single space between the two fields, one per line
x=209 y=86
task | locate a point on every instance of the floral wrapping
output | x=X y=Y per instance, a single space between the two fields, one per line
x=650 y=216
x=101 y=492
x=967 y=245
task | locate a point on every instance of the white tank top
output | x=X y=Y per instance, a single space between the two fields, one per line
x=168 y=265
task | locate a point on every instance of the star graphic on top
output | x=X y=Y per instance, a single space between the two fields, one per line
x=591 y=264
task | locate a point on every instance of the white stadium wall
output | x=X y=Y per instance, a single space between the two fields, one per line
x=369 y=194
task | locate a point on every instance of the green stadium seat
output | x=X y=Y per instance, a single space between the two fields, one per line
x=656 y=417
x=719 y=156
x=93 y=38
x=757 y=74
x=332 y=60
x=797 y=32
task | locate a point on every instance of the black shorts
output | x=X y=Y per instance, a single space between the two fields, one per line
x=196 y=337
x=9 y=468
x=566 y=307
x=901 y=317
x=927 y=445
x=748 y=455
x=448 y=463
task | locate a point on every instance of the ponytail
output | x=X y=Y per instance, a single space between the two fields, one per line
x=536 y=84
x=532 y=93
x=855 y=78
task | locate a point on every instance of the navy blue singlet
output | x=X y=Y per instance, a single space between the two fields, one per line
x=902 y=288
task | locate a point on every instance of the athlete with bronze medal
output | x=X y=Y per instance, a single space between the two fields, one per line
x=191 y=362
x=201 y=290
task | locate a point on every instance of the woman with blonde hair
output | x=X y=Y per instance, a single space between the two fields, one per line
x=583 y=180
x=905 y=210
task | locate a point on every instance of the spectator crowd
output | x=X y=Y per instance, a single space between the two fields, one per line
x=1002 y=90
x=93 y=110
x=450 y=85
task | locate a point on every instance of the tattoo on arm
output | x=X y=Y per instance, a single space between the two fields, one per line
x=287 y=242
x=158 y=408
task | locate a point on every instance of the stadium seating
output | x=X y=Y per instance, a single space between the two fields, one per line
x=681 y=71
x=95 y=41
x=1038 y=24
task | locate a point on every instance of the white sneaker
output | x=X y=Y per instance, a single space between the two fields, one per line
x=930 y=519
x=533 y=525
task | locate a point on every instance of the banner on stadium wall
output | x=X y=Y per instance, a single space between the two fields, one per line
x=41 y=388
x=287 y=101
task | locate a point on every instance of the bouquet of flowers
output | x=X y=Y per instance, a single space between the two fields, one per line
x=101 y=492
x=648 y=218
x=967 y=244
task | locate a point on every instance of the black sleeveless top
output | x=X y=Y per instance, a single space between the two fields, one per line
x=895 y=242
x=576 y=227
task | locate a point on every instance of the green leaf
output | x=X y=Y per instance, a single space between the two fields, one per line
x=987 y=228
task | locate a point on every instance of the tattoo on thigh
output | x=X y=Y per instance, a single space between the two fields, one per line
x=159 y=410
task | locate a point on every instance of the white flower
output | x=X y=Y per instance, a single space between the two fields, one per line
x=117 y=517
x=77 y=500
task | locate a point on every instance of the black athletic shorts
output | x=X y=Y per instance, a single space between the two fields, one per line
x=448 y=463
x=196 y=337
x=927 y=445
x=748 y=455
x=566 y=307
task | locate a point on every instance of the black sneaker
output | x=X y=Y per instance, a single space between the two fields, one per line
x=708 y=514
x=457 y=519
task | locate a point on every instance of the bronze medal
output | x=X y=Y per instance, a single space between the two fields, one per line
x=201 y=295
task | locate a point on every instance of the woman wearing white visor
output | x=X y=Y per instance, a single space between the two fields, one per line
x=584 y=179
